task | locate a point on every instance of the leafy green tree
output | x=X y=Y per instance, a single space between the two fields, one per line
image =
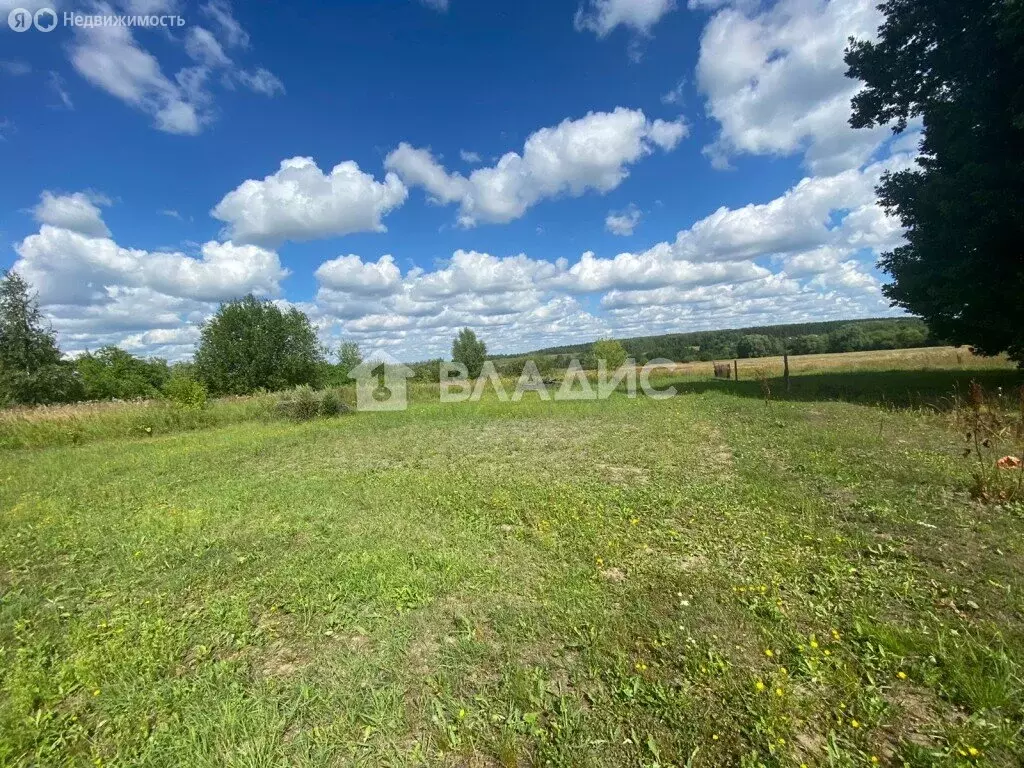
x=758 y=345
x=957 y=66
x=429 y=370
x=848 y=338
x=253 y=344
x=349 y=357
x=808 y=344
x=111 y=372
x=470 y=351
x=31 y=369
x=609 y=350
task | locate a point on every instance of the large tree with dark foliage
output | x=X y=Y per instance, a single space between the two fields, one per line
x=956 y=65
x=31 y=369
x=252 y=344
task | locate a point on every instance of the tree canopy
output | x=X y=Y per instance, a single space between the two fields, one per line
x=609 y=350
x=759 y=345
x=470 y=351
x=253 y=344
x=31 y=369
x=349 y=357
x=955 y=66
x=111 y=372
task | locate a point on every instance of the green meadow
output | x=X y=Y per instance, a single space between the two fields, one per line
x=727 y=577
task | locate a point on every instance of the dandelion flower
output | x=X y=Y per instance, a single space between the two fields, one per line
x=778 y=692
x=973 y=751
x=901 y=675
x=759 y=685
x=769 y=652
x=854 y=724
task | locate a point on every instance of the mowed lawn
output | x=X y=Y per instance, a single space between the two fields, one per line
x=708 y=580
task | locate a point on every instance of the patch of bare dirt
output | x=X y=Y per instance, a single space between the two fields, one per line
x=423 y=655
x=614 y=575
x=617 y=475
x=283 y=660
x=918 y=716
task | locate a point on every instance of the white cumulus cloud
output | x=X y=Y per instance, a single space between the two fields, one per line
x=301 y=202
x=78 y=212
x=774 y=79
x=351 y=274
x=591 y=153
x=623 y=222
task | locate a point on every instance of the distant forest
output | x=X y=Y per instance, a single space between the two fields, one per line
x=759 y=341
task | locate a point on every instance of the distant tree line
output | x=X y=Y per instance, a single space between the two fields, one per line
x=762 y=341
x=252 y=344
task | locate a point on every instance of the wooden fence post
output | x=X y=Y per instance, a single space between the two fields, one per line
x=785 y=368
x=736 y=369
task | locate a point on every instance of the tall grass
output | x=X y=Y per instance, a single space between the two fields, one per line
x=86 y=422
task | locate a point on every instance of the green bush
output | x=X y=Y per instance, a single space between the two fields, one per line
x=300 y=404
x=304 y=403
x=185 y=392
x=330 y=404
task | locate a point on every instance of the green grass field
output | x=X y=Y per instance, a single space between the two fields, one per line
x=708 y=580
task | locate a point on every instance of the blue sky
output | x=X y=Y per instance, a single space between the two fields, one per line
x=544 y=172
